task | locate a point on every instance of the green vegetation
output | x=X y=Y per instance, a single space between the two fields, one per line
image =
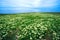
x=30 y=26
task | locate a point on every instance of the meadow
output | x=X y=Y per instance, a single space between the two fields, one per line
x=30 y=26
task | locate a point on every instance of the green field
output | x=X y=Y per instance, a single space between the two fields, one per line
x=30 y=26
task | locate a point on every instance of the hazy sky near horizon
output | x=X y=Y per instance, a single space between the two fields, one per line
x=13 y=6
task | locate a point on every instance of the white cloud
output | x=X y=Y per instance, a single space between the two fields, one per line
x=34 y=3
x=29 y=3
x=44 y=3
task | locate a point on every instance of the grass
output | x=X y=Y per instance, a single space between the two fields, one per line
x=30 y=26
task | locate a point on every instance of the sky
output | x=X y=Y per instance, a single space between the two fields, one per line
x=17 y=6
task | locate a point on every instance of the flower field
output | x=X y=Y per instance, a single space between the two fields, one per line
x=30 y=26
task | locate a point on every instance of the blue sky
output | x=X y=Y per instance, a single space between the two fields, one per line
x=14 y=6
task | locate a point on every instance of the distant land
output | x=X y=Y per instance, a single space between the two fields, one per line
x=34 y=12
